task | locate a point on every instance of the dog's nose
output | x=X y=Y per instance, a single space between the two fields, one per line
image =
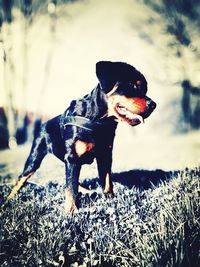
x=151 y=104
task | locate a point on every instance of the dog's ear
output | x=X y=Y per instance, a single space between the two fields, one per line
x=109 y=73
x=105 y=71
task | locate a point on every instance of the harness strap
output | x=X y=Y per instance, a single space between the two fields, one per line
x=81 y=122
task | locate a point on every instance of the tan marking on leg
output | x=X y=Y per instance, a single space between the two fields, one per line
x=70 y=206
x=82 y=147
x=108 y=185
x=19 y=185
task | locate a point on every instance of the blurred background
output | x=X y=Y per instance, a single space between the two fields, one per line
x=48 y=52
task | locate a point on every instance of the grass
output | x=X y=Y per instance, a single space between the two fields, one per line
x=155 y=227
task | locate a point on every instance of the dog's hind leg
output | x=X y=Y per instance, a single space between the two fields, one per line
x=38 y=152
x=20 y=183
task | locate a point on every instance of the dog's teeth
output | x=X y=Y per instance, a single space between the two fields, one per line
x=122 y=110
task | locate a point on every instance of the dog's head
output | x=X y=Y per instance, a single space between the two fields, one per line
x=125 y=88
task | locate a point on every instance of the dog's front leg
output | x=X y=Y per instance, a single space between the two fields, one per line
x=71 y=191
x=72 y=171
x=104 y=163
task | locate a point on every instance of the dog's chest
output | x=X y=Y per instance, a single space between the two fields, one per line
x=85 y=151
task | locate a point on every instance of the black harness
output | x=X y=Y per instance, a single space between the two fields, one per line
x=81 y=122
x=86 y=123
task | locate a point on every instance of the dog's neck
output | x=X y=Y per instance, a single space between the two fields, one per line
x=92 y=106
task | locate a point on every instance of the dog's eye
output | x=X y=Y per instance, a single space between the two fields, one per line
x=138 y=82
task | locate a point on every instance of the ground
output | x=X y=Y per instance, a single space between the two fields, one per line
x=143 y=225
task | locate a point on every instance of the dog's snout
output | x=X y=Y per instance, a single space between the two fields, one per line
x=151 y=104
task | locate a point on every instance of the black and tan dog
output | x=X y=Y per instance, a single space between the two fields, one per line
x=86 y=129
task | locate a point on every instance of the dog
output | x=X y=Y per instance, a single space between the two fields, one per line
x=86 y=130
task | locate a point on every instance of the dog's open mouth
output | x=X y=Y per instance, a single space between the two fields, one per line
x=128 y=116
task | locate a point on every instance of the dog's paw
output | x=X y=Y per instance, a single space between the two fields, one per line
x=70 y=205
x=109 y=194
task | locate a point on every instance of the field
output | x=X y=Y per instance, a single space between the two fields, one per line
x=143 y=225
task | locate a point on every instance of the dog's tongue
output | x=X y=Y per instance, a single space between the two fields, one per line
x=133 y=116
x=129 y=115
x=136 y=117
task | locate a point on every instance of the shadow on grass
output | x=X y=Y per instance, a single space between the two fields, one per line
x=142 y=179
